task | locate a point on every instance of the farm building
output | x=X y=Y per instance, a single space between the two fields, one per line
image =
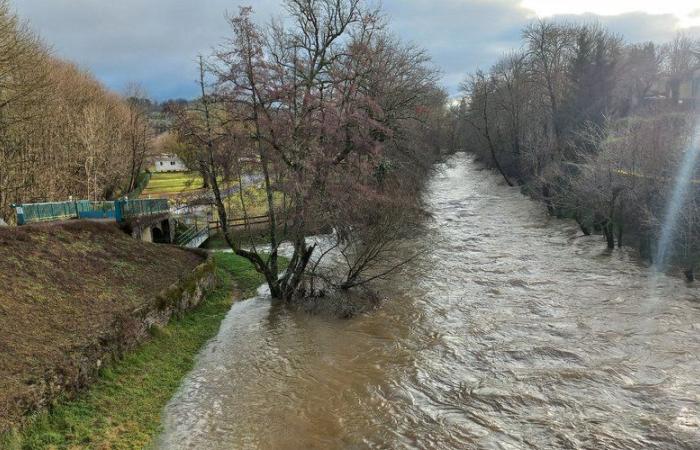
x=166 y=162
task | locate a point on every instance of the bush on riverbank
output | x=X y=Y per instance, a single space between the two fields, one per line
x=122 y=410
x=339 y=304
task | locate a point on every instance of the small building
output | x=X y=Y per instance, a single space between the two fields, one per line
x=690 y=88
x=682 y=90
x=167 y=162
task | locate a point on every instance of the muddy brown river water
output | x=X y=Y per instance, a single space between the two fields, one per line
x=519 y=334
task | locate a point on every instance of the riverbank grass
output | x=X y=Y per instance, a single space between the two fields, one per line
x=122 y=410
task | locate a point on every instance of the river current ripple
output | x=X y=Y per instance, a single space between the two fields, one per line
x=519 y=334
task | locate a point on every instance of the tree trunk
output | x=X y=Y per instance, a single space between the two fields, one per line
x=547 y=199
x=203 y=170
x=492 y=149
x=619 y=236
x=290 y=282
x=584 y=228
x=609 y=234
x=689 y=274
x=498 y=166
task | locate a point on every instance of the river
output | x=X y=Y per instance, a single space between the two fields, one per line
x=520 y=333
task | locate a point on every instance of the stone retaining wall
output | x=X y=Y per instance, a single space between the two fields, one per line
x=81 y=366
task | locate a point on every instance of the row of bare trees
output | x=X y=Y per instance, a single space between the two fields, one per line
x=335 y=117
x=592 y=125
x=61 y=132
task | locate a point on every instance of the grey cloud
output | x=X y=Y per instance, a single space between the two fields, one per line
x=460 y=35
x=156 y=42
x=635 y=27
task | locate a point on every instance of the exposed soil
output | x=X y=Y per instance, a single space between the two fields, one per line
x=61 y=287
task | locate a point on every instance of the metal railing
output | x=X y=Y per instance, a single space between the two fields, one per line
x=95 y=210
x=119 y=210
x=138 y=208
x=191 y=234
x=45 y=212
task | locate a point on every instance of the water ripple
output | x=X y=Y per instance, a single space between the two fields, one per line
x=520 y=334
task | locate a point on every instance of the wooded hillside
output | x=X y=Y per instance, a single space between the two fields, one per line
x=595 y=127
x=61 y=132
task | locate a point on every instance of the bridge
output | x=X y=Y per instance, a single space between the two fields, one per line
x=119 y=210
x=147 y=219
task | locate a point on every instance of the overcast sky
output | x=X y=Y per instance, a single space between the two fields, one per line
x=155 y=42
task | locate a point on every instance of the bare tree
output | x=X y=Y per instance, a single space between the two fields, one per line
x=549 y=47
x=578 y=120
x=139 y=132
x=482 y=90
x=681 y=57
x=323 y=103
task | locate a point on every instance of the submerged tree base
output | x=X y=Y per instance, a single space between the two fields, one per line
x=689 y=275
x=338 y=304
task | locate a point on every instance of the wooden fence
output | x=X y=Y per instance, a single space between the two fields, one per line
x=240 y=222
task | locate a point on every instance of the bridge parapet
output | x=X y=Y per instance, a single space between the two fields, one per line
x=145 y=219
x=128 y=209
x=119 y=210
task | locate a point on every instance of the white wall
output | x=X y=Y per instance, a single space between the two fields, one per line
x=173 y=164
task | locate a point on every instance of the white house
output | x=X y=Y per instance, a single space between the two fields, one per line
x=166 y=162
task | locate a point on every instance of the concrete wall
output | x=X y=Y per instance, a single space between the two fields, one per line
x=164 y=229
x=146 y=235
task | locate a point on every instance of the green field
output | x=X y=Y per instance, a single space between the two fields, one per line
x=170 y=184
x=122 y=409
x=255 y=200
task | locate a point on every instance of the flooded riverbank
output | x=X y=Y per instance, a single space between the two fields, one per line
x=519 y=334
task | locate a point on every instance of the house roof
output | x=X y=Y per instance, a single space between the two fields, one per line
x=166 y=156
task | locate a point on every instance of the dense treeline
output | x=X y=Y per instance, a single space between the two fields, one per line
x=594 y=126
x=335 y=116
x=61 y=132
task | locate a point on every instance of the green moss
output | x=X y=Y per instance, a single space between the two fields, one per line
x=122 y=409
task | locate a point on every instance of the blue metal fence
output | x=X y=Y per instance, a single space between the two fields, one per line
x=119 y=210
x=44 y=212
x=136 y=208
x=95 y=210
